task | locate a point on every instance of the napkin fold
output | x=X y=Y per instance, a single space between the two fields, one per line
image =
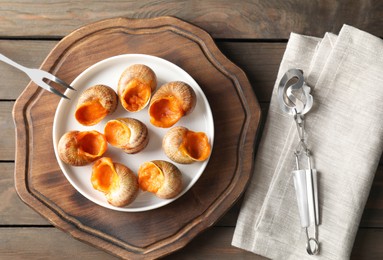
x=345 y=135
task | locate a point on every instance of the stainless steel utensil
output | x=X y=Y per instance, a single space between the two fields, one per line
x=295 y=99
x=38 y=76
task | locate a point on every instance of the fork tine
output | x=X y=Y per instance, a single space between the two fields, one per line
x=51 y=89
x=61 y=82
x=58 y=93
x=52 y=77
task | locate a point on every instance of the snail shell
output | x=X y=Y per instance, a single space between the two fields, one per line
x=80 y=148
x=94 y=104
x=172 y=101
x=115 y=180
x=184 y=146
x=129 y=134
x=162 y=178
x=135 y=87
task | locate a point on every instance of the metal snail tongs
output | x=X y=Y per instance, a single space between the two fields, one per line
x=295 y=99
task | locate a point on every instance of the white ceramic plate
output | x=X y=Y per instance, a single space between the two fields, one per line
x=108 y=72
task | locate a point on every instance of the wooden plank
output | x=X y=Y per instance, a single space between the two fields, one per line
x=12 y=210
x=373 y=212
x=214 y=243
x=222 y=18
x=260 y=62
x=368 y=244
x=45 y=243
x=7 y=145
x=21 y=243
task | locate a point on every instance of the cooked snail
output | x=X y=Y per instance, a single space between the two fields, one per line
x=172 y=101
x=80 y=148
x=94 y=104
x=115 y=180
x=135 y=87
x=184 y=146
x=129 y=134
x=162 y=178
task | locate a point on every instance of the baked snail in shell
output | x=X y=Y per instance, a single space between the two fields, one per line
x=115 y=180
x=94 y=104
x=162 y=178
x=128 y=134
x=135 y=87
x=80 y=148
x=172 y=101
x=185 y=146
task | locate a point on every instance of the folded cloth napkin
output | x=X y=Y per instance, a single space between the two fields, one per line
x=345 y=136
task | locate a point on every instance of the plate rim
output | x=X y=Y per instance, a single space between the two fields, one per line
x=69 y=93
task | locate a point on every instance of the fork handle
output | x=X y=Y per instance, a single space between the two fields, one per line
x=12 y=63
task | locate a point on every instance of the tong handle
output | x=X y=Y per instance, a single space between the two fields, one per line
x=306 y=188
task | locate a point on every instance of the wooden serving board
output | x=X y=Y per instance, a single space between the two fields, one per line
x=150 y=234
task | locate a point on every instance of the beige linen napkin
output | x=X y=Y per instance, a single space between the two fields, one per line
x=345 y=135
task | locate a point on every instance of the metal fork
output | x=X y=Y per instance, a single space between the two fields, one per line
x=37 y=76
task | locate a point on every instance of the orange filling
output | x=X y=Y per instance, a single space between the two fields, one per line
x=103 y=175
x=136 y=95
x=116 y=133
x=90 y=113
x=92 y=143
x=196 y=145
x=165 y=112
x=150 y=177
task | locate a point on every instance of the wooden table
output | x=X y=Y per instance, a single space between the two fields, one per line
x=253 y=34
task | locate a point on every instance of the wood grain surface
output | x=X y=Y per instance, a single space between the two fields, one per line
x=226 y=19
x=254 y=38
x=236 y=114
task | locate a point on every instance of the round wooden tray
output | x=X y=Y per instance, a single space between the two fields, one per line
x=150 y=234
